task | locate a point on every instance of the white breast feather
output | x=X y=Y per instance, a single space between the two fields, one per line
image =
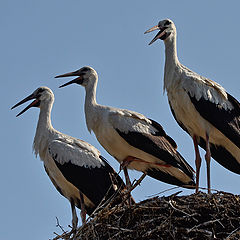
x=125 y=121
x=75 y=151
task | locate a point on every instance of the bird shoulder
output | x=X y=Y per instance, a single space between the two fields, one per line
x=201 y=87
x=75 y=152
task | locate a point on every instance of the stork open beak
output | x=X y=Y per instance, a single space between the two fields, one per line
x=78 y=80
x=152 y=29
x=159 y=34
x=35 y=103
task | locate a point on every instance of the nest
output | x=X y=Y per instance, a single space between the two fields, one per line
x=197 y=216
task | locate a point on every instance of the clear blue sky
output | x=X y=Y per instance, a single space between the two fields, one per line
x=40 y=39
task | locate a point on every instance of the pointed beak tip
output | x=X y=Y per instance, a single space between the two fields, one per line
x=14 y=106
x=30 y=97
x=65 y=84
x=148 y=31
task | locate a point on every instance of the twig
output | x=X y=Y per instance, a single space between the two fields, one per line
x=203 y=224
x=118 y=228
x=58 y=225
x=137 y=182
x=167 y=190
x=170 y=202
x=234 y=231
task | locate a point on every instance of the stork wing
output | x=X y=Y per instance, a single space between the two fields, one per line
x=126 y=120
x=226 y=121
x=150 y=137
x=76 y=152
x=214 y=104
x=92 y=175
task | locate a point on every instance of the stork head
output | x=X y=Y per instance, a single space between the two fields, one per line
x=41 y=95
x=166 y=30
x=85 y=75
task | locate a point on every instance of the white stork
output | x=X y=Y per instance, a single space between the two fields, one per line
x=76 y=168
x=134 y=140
x=202 y=107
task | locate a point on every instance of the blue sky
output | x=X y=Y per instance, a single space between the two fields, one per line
x=41 y=39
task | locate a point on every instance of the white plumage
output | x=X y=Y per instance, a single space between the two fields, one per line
x=201 y=87
x=76 y=152
x=201 y=107
x=134 y=140
x=75 y=167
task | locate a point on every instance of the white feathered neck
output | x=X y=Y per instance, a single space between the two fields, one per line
x=44 y=129
x=91 y=107
x=171 y=59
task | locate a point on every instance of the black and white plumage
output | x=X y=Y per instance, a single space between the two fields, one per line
x=75 y=167
x=135 y=141
x=202 y=107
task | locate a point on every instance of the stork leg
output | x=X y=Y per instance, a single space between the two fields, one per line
x=208 y=159
x=123 y=166
x=128 y=184
x=198 y=161
x=128 y=181
x=74 y=217
x=83 y=209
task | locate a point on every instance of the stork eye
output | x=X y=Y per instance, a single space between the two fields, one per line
x=167 y=23
x=40 y=90
x=85 y=69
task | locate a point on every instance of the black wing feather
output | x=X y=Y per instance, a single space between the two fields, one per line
x=161 y=132
x=222 y=156
x=159 y=146
x=226 y=121
x=219 y=153
x=167 y=178
x=96 y=183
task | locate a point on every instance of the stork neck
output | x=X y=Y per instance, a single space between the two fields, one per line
x=90 y=98
x=171 y=57
x=91 y=105
x=44 y=120
x=44 y=129
x=171 y=62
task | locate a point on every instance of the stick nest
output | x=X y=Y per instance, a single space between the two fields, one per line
x=197 y=216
